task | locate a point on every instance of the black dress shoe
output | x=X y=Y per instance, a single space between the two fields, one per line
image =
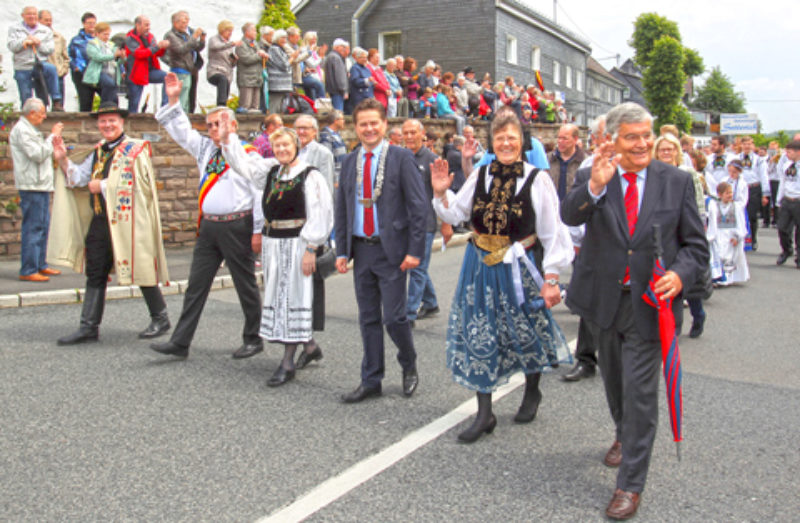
x=782 y=257
x=361 y=393
x=410 y=382
x=754 y=246
x=280 y=376
x=247 y=350
x=476 y=430
x=423 y=313
x=82 y=335
x=579 y=372
x=158 y=326
x=305 y=358
x=171 y=349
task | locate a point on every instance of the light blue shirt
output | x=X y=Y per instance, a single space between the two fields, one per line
x=641 y=179
x=358 y=221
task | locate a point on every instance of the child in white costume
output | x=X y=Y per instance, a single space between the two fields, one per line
x=727 y=229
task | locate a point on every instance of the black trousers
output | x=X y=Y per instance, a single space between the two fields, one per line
x=381 y=286
x=218 y=241
x=318 y=303
x=770 y=211
x=753 y=208
x=100 y=261
x=630 y=366
x=85 y=92
x=585 y=349
x=788 y=219
x=223 y=88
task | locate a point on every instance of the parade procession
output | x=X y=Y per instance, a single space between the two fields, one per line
x=218 y=230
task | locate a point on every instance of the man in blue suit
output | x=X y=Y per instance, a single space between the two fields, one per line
x=380 y=224
x=620 y=198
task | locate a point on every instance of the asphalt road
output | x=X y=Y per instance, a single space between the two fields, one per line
x=114 y=431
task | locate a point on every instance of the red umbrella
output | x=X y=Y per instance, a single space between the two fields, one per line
x=670 y=354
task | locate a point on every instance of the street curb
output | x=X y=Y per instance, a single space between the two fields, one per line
x=71 y=296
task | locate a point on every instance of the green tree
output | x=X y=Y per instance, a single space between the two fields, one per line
x=663 y=83
x=277 y=14
x=718 y=95
x=648 y=28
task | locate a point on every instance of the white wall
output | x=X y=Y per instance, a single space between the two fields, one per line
x=120 y=14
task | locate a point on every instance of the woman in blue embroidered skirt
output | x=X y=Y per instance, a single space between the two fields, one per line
x=500 y=322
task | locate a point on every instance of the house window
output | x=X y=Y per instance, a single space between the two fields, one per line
x=569 y=77
x=536 y=58
x=390 y=45
x=511 y=49
x=579 y=80
x=556 y=73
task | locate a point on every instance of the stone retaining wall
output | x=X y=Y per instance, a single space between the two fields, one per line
x=176 y=170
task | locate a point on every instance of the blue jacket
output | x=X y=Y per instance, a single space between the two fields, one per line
x=360 y=89
x=78 y=59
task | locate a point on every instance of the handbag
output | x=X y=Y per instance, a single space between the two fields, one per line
x=326 y=261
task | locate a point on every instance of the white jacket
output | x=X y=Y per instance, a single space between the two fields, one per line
x=32 y=154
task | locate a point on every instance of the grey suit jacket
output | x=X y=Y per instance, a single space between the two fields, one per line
x=322 y=158
x=402 y=207
x=596 y=286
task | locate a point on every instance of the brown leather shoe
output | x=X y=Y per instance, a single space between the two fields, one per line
x=623 y=505
x=614 y=455
x=50 y=272
x=34 y=277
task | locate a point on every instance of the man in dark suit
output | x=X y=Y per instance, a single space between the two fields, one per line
x=380 y=223
x=619 y=199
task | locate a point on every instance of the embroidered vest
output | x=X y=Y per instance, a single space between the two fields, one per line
x=502 y=211
x=284 y=200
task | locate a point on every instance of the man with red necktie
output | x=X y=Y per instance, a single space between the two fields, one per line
x=380 y=222
x=619 y=199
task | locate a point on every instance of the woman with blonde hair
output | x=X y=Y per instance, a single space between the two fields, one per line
x=298 y=217
x=222 y=60
x=312 y=71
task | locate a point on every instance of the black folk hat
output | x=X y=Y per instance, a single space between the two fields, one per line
x=109 y=108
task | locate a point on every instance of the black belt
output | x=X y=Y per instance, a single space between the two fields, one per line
x=372 y=240
x=754 y=185
x=626 y=288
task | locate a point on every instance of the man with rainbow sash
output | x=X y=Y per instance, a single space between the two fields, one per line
x=227 y=228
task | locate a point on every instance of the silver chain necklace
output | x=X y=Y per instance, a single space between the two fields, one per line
x=376 y=193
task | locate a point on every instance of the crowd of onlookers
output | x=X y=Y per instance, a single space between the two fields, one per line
x=274 y=70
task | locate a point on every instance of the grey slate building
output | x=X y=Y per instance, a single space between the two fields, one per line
x=631 y=76
x=501 y=37
x=603 y=90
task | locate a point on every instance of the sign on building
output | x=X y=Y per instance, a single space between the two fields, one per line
x=730 y=123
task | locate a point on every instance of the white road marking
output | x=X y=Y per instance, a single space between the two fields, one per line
x=334 y=488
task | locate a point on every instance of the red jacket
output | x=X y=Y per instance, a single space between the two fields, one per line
x=141 y=57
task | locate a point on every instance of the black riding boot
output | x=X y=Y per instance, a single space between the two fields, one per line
x=159 y=321
x=531 y=399
x=91 y=315
x=484 y=420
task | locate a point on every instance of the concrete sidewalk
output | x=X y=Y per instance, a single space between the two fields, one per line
x=68 y=287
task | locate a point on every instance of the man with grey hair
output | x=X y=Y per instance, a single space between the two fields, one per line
x=183 y=51
x=142 y=65
x=620 y=199
x=30 y=41
x=311 y=151
x=229 y=227
x=297 y=55
x=330 y=138
x=336 y=83
x=422 y=301
x=598 y=132
x=33 y=176
x=396 y=136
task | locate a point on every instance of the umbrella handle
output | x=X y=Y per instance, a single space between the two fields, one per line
x=659 y=249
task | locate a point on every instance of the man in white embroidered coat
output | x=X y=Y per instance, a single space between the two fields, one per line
x=115 y=225
x=229 y=228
